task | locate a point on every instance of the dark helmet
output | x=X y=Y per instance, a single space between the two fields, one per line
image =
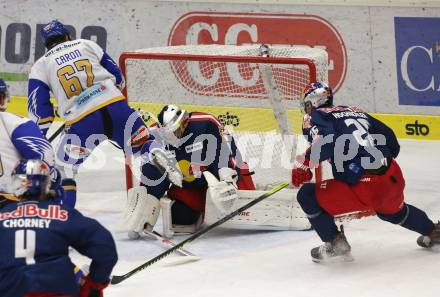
x=31 y=180
x=53 y=33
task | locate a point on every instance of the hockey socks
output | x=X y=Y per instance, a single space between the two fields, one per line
x=322 y=222
x=411 y=218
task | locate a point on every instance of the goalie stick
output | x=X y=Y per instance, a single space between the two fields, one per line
x=167 y=242
x=186 y=256
x=116 y=279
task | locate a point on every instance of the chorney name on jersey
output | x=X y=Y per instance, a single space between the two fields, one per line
x=73 y=71
x=29 y=215
x=20 y=138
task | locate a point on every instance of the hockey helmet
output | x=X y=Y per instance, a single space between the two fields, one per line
x=316 y=95
x=53 y=29
x=172 y=118
x=31 y=180
x=4 y=95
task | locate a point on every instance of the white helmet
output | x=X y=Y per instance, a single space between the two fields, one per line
x=172 y=117
x=315 y=95
x=172 y=120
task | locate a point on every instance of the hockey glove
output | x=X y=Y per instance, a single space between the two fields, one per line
x=89 y=288
x=301 y=172
x=161 y=160
x=223 y=192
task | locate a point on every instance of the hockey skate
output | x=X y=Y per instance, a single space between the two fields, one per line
x=337 y=250
x=431 y=241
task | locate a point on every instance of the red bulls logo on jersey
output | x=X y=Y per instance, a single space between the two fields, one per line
x=54 y=212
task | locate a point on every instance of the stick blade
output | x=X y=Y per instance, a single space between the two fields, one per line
x=116 y=279
x=179 y=260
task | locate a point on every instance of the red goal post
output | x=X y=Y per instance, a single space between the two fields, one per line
x=252 y=95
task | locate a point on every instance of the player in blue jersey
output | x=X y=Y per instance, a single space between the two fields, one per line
x=21 y=138
x=188 y=148
x=4 y=95
x=86 y=84
x=361 y=150
x=36 y=234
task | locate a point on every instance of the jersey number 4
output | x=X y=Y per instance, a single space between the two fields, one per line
x=68 y=76
x=25 y=242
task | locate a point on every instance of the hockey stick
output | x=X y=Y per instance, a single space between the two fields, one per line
x=57 y=132
x=168 y=243
x=116 y=279
x=186 y=256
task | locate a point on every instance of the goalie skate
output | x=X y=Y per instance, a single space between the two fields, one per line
x=337 y=250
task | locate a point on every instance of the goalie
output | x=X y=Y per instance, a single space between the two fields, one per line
x=195 y=162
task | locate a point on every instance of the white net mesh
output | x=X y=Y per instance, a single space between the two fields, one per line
x=256 y=98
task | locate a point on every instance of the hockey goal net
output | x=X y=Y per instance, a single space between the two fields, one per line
x=255 y=96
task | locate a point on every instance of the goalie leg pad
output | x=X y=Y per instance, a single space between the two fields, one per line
x=281 y=211
x=167 y=219
x=178 y=217
x=141 y=209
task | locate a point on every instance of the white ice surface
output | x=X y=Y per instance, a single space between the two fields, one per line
x=260 y=263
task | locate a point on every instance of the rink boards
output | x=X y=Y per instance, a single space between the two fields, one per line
x=423 y=127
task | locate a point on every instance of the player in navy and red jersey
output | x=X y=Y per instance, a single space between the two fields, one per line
x=186 y=146
x=361 y=150
x=36 y=234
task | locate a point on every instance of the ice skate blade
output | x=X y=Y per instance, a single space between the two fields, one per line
x=337 y=259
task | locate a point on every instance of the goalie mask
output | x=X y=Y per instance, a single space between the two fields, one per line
x=4 y=95
x=173 y=122
x=31 y=180
x=316 y=95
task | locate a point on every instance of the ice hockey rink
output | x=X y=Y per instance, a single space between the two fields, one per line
x=274 y=263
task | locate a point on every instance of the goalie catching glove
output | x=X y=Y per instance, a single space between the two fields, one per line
x=224 y=191
x=165 y=165
x=301 y=172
